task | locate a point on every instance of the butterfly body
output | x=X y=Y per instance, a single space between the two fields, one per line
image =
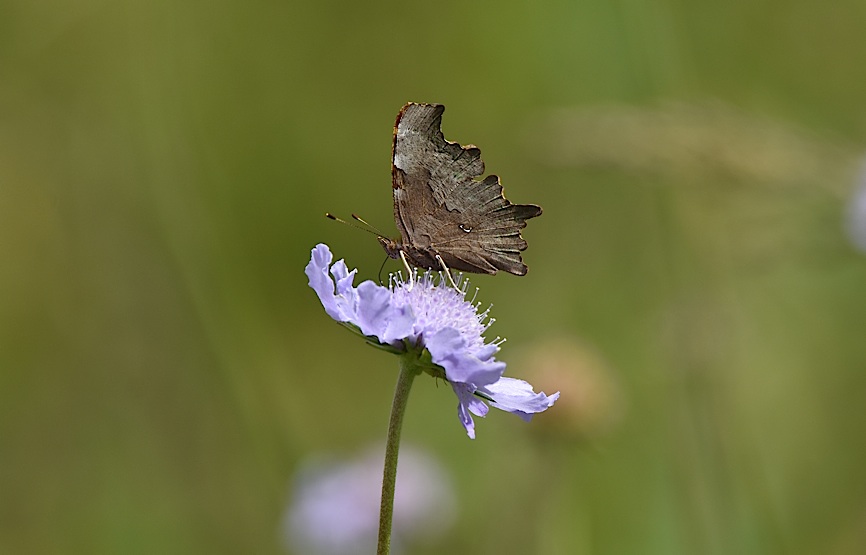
x=444 y=214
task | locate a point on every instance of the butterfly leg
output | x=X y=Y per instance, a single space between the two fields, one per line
x=408 y=268
x=447 y=271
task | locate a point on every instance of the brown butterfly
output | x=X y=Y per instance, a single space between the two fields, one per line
x=446 y=217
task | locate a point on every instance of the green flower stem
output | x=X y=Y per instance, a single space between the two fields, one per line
x=409 y=368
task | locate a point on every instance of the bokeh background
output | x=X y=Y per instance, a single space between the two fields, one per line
x=164 y=171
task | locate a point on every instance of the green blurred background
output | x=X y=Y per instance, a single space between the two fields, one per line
x=164 y=171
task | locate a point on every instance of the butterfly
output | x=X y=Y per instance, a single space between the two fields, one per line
x=447 y=218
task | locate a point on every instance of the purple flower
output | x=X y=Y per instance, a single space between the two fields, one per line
x=856 y=217
x=335 y=504
x=423 y=317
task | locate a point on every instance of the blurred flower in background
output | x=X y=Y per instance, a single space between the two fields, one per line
x=592 y=404
x=334 y=508
x=856 y=217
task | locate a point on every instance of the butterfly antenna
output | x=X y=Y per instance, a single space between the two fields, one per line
x=372 y=229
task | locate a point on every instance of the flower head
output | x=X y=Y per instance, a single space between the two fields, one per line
x=335 y=504
x=427 y=318
x=856 y=217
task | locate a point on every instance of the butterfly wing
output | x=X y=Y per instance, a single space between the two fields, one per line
x=441 y=208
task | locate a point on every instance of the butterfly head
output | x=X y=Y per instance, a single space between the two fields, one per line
x=391 y=246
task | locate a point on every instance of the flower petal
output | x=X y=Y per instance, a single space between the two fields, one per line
x=487 y=351
x=400 y=326
x=517 y=396
x=347 y=295
x=322 y=284
x=466 y=420
x=448 y=349
x=374 y=309
x=468 y=403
